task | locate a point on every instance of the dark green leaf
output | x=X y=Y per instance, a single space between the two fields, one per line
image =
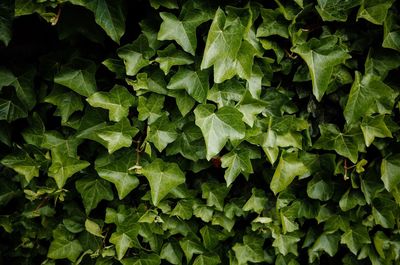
x=93 y=191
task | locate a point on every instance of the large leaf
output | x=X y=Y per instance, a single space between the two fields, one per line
x=374 y=11
x=321 y=56
x=117 y=101
x=115 y=169
x=163 y=177
x=368 y=95
x=93 y=191
x=218 y=127
x=78 y=75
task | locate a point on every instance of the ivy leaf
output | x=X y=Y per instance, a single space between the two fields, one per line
x=150 y=108
x=64 y=246
x=63 y=167
x=273 y=24
x=171 y=4
x=143 y=259
x=136 y=55
x=54 y=141
x=115 y=169
x=257 y=202
x=163 y=177
x=391 y=35
x=355 y=238
x=251 y=250
x=171 y=56
x=218 y=127
x=162 y=132
x=6 y=15
x=320 y=189
x=93 y=191
x=108 y=15
x=207 y=260
x=335 y=10
x=194 y=82
x=113 y=137
x=10 y=111
x=122 y=243
x=374 y=11
x=321 y=57
x=327 y=243
x=390 y=170
x=286 y=244
x=332 y=139
x=172 y=253
x=67 y=102
x=190 y=248
x=23 y=164
x=215 y=194
x=288 y=168
x=374 y=126
x=236 y=162
x=78 y=75
x=118 y=101
x=368 y=95
x=183 y=209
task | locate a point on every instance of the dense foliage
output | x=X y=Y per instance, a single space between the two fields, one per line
x=199 y=132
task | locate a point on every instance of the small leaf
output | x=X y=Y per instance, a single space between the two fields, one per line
x=163 y=177
x=257 y=202
x=64 y=246
x=236 y=162
x=79 y=75
x=218 y=127
x=93 y=191
x=118 y=101
x=67 y=102
x=286 y=244
x=93 y=228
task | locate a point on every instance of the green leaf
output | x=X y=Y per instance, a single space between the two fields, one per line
x=335 y=10
x=54 y=141
x=236 y=162
x=190 y=248
x=374 y=126
x=211 y=237
x=113 y=137
x=183 y=209
x=215 y=194
x=118 y=101
x=351 y=199
x=150 y=108
x=6 y=15
x=171 y=56
x=115 y=169
x=10 y=111
x=93 y=228
x=162 y=132
x=332 y=139
x=374 y=11
x=355 y=238
x=67 y=102
x=110 y=15
x=122 y=243
x=136 y=55
x=368 y=95
x=226 y=93
x=163 y=177
x=64 y=246
x=273 y=24
x=171 y=253
x=288 y=168
x=78 y=75
x=286 y=244
x=218 y=127
x=251 y=250
x=257 y=202
x=321 y=57
x=207 y=260
x=23 y=164
x=391 y=35
x=143 y=259
x=171 y=4
x=93 y=191
x=327 y=243
x=63 y=167
x=320 y=189
x=194 y=82
x=390 y=170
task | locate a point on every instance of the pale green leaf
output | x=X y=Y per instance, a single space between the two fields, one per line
x=162 y=132
x=117 y=101
x=171 y=56
x=286 y=244
x=374 y=126
x=163 y=177
x=122 y=243
x=236 y=162
x=207 y=260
